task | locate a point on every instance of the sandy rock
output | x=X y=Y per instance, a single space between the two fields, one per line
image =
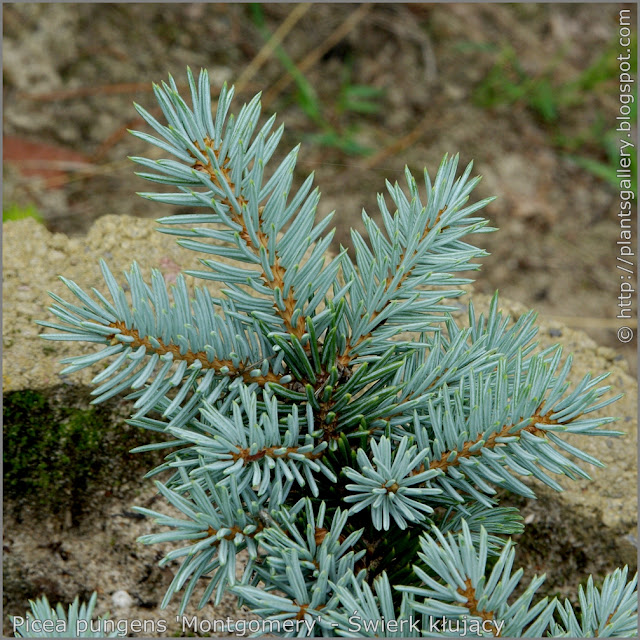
x=32 y=260
x=589 y=527
x=100 y=553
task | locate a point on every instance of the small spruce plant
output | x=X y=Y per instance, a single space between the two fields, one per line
x=43 y=621
x=328 y=417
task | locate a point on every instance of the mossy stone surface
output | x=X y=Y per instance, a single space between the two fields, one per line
x=57 y=455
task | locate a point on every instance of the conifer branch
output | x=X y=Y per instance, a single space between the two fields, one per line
x=277 y=276
x=345 y=358
x=470 y=448
x=189 y=356
x=247 y=456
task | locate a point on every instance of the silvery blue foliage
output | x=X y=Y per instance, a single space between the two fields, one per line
x=607 y=612
x=387 y=486
x=327 y=415
x=43 y=621
x=458 y=586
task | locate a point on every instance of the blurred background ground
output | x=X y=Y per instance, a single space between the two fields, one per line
x=528 y=91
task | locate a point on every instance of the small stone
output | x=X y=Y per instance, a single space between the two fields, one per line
x=58 y=241
x=455 y=92
x=121 y=599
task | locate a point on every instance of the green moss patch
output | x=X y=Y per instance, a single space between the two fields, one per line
x=57 y=456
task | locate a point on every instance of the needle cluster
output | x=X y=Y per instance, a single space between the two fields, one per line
x=326 y=414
